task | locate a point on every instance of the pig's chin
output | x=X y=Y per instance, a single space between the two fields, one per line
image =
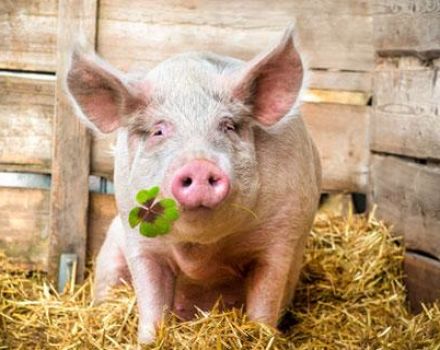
x=202 y=225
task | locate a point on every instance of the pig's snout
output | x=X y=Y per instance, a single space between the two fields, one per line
x=200 y=183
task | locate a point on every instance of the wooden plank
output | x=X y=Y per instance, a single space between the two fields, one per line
x=102 y=211
x=339 y=80
x=341 y=134
x=407 y=26
x=332 y=34
x=340 y=97
x=102 y=155
x=406 y=118
x=28 y=34
x=422 y=279
x=24 y=225
x=407 y=196
x=335 y=34
x=71 y=157
x=26 y=115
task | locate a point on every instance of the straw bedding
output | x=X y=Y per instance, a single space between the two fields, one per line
x=350 y=297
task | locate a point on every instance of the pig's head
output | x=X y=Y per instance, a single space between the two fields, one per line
x=188 y=126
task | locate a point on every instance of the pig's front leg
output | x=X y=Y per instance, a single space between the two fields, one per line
x=271 y=283
x=153 y=282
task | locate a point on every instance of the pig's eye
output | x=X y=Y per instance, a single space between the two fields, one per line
x=228 y=125
x=158 y=130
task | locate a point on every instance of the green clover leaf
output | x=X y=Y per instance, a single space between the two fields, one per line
x=155 y=217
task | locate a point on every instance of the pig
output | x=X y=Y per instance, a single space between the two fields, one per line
x=225 y=139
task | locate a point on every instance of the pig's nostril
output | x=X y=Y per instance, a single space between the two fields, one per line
x=186 y=182
x=212 y=181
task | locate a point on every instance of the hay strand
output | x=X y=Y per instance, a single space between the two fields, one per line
x=351 y=296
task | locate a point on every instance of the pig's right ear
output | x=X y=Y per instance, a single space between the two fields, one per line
x=271 y=82
x=101 y=92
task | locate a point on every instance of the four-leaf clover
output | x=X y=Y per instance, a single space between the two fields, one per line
x=155 y=217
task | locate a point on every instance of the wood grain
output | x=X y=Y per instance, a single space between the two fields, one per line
x=28 y=34
x=341 y=134
x=26 y=115
x=332 y=34
x=102 y=211
x=102 y=155
x=339 y=80
x=407 y=26
x=24 y=224
x=406 y=117
x=24 y=227
x=340 y=97
x=407 y=196
x=422 y=279
x=71 y=157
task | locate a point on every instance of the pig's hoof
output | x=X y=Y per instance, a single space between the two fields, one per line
x=146 y=333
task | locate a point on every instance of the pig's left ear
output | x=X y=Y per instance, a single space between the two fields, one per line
x=104 y=96
x=271 y=82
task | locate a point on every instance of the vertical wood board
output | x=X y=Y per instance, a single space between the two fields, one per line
x=71 y=157
x=102 y=211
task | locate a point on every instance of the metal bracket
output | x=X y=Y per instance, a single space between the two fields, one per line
x=67 y=271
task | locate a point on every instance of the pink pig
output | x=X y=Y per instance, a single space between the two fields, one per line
x=225 y=139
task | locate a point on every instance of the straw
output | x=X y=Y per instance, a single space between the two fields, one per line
x=351 y=296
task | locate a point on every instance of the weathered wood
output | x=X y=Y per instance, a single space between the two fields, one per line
x=341 y=134
x=407 y=26
x=339 y=80
x=26 y=114
x=28 y=34
x=332 y=34
x=102 y=155
x=340 y=97
x=422 y=280
x=406 y=117
x=24 y=225
x=102 y=210
x=407 y=196
x=71 y=157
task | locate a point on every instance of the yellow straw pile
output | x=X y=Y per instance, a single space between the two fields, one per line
x=351 y=296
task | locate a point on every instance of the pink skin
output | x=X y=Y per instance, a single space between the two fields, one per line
x=200 y=183
x=212 y=132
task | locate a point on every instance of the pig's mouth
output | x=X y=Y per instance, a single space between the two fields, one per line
x=197 y=211
x=200 y=213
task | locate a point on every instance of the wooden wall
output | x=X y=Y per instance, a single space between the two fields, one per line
x=405 y=135
x=335 y=38
x=384 y=51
